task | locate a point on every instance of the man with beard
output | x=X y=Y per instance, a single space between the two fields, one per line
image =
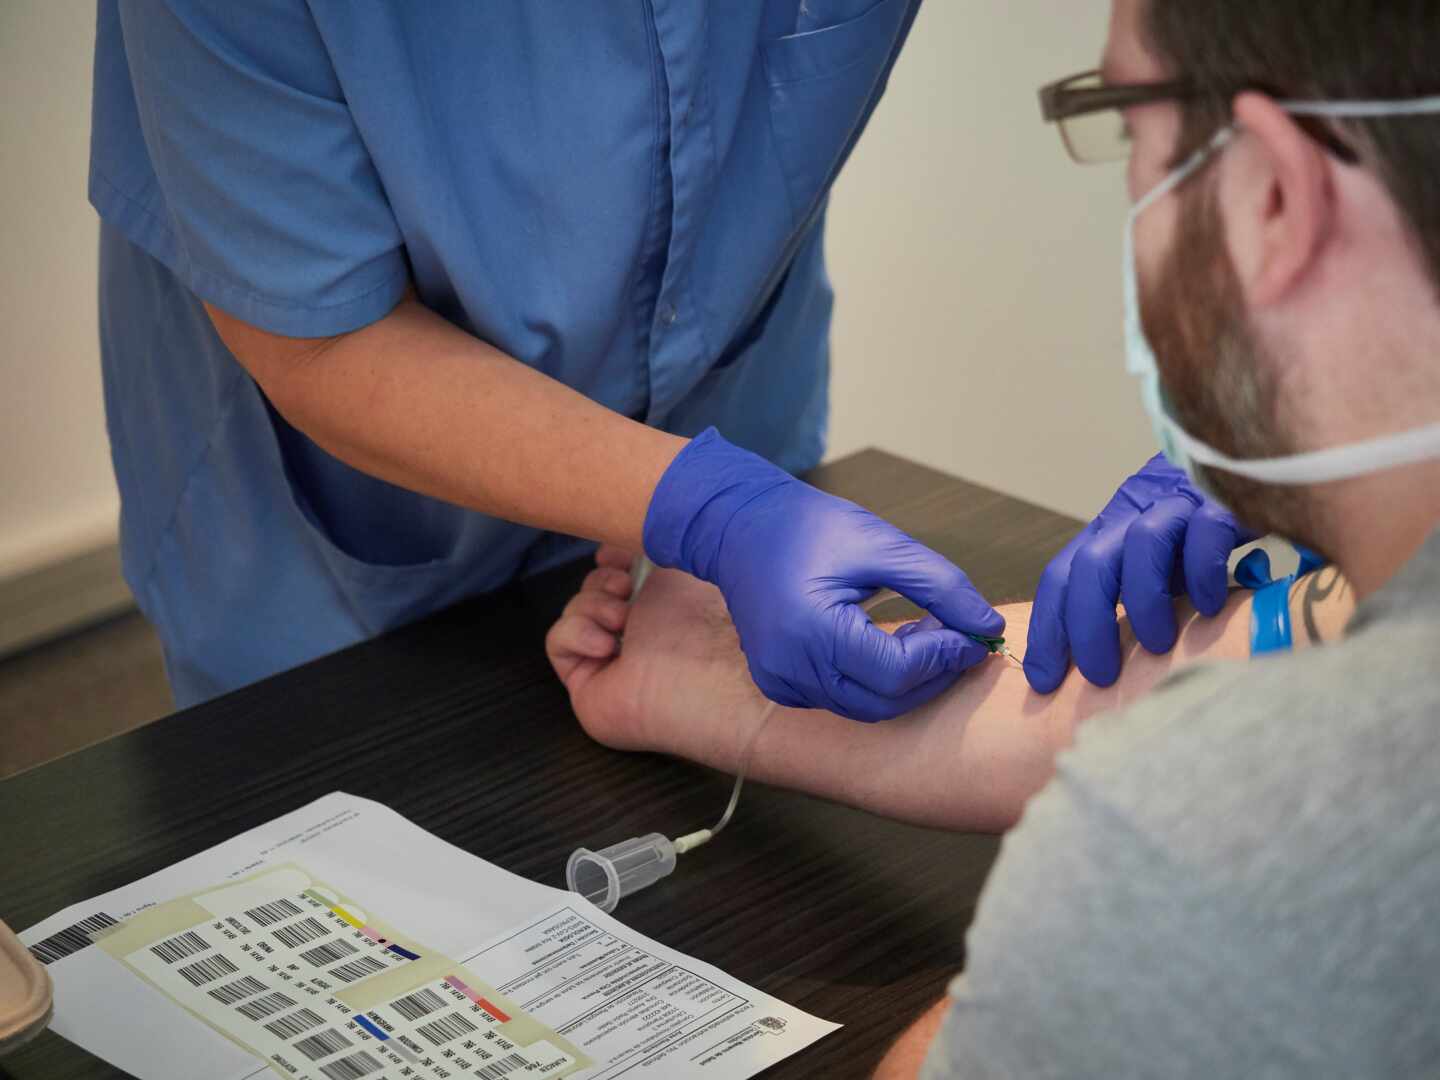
x=1231 y=875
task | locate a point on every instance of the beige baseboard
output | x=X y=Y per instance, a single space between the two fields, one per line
x=69 y=594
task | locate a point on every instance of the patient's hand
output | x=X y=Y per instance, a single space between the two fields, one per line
x=679 y=660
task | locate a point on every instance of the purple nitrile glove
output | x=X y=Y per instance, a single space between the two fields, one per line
x=1157 y=536
x=794 y=564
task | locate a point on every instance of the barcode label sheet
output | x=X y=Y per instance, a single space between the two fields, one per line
x=270 y=974
x=255 y=967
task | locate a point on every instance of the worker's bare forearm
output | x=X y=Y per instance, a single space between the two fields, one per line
x=420 y=403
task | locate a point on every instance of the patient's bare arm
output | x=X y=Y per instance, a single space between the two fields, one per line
x=968 y=760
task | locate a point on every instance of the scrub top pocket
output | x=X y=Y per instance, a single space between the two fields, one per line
x=378 y=594
x=822 y=84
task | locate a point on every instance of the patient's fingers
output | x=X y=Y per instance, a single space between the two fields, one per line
x=586 y=637
x=607 y=580
x=614 y=556
x=575 y=635
x=606 y=611
x=578 y=647
x=573 y=667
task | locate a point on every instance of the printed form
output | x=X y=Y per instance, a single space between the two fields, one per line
x=302 y=948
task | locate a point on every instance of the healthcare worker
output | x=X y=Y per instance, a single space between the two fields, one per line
x=397 y=299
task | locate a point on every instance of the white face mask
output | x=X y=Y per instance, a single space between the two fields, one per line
x=1188 y=452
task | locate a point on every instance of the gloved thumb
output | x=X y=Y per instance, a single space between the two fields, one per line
x=941 y=588
x=893 y=666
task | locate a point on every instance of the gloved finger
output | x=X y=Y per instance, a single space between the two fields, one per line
x=1214 y=534
x=859 y=703
x=928 y=622
x=1047 y=647
x=892 y=666
x=1153 y=543
x=1253 y=569
x=1090 y=599
x=778 y=689
x=940 y=587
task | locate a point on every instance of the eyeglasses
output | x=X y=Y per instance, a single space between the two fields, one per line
x=1087 y=110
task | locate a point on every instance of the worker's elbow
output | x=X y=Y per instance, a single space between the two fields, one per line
x=281 y=366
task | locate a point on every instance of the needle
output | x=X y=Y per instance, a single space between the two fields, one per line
x=996 y=645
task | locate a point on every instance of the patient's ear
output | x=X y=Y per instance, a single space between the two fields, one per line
x=1277 y=199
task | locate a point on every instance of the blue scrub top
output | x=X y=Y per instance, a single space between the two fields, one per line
x=627 y=196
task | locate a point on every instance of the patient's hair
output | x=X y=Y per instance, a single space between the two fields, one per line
x=1320 y=49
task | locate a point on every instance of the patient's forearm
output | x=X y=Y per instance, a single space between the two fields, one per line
x=971 y=758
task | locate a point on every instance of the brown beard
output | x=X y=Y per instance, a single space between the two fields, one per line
x=1219 y=379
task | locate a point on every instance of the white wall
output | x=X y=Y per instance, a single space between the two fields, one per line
x=57 y=492
x=977 y=269
x=977 y=328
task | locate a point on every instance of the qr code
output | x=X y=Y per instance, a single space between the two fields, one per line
x=771 y=1023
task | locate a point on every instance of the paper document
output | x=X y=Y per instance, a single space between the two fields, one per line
x=304 y=948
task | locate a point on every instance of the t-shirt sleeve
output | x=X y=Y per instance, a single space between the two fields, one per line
x=222 y=145
x=1095 y=950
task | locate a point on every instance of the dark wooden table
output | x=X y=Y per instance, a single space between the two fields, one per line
x=848 y=916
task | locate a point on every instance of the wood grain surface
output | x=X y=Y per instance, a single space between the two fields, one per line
x=851 y=917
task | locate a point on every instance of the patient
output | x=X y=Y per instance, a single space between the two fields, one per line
x=967 y=760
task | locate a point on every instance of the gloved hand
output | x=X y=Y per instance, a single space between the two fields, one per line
x=1155 y=537
x=793 y=564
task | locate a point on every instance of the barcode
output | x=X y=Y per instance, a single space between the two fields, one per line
x=328 y=953
x=70 y=940
x=265 y=1006
x=273 y=912
x=421 y=1003
x=207 y=969
x=497 y=1070
x=297 y=934
x=446 y=1028
x=180 y=946
x=239 y=990
x=353 y=1067
x=321 y=1043
x=297 y=1023
x=358 y=968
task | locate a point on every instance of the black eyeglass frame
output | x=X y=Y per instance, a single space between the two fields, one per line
x=1060 y=100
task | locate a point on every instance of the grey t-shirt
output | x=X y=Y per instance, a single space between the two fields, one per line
x=1240 y=876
